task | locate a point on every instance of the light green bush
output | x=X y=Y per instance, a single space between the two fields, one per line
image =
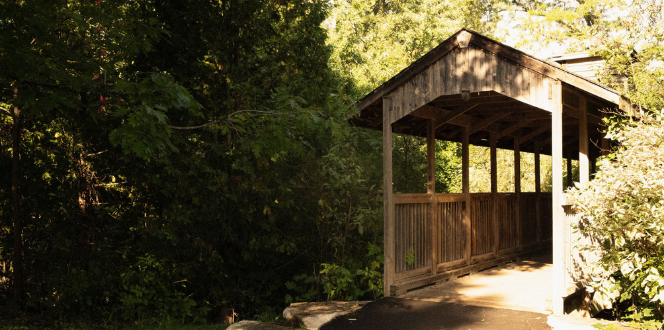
x=623 y=212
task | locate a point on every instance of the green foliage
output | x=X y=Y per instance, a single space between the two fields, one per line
x=356 y=280
x=374 y=40
x=622 y=212
x=148 y=292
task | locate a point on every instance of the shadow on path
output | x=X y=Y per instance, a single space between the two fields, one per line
x=396 y=313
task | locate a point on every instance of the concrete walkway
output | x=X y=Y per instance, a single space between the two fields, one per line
x=523 y=286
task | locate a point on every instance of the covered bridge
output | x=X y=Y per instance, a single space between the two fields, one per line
x=474 y=90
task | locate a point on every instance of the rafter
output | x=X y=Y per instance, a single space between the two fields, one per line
x=535 y=133
x=455 y=114
x=511 y=129
x=487 y=121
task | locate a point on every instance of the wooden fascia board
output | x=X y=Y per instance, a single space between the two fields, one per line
x=543 y=67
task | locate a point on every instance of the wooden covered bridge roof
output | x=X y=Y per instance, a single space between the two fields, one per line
x=510 y=95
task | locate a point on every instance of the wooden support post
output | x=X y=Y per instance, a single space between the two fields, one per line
x=558 y=213
x=465 y=182
x=584 y=166
x=494 y=193
x=538 y=190
x=431 y=190
x=517 y=190
x=388 y=200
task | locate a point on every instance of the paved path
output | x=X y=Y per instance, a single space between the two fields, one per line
x=408 y=314
x=523 y=285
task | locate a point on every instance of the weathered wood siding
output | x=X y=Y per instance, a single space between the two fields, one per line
x=475 y=70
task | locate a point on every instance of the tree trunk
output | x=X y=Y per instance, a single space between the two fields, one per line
x=17 y=257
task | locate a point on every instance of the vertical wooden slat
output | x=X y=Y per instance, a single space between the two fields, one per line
x=388 y=199
x=558 y=215
x=584 y=168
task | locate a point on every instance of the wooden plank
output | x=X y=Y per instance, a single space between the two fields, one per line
x=558 y=214
x=450 y=198
x=388 y=203
x=431 y=190
x=411 y=198
x=584 y=166
x=487 y=121
x=411 y=273
x=446 y=266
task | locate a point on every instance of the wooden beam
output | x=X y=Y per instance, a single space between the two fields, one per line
x=435 y=113
x=431 y=190
x=584 y=166
x=388 y=202
x=538 y=190
x=534 y=133
x=558 y=214
x=517 y=190
x=511 y=129
x=454 y=115
x=487 y=121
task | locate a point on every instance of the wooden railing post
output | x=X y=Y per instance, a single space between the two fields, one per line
x=517 y=191
x=431 y=190
x=465 y=157
x=494 y=192
x=388 y=200
x=538 y=190
x=558 y=214
x=584 y=166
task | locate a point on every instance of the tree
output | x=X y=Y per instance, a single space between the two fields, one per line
x=374 y=40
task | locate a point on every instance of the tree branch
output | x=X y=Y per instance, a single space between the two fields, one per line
x=193 y=127
x=228 y=117
x=5 y=110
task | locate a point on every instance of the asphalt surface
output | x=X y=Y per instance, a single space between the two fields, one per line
x=398 y=313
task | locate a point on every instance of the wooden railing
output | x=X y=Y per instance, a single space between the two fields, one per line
x=438 y=234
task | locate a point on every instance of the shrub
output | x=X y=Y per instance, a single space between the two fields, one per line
x=623 y=212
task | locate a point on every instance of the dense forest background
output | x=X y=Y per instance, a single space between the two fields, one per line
x=186 y=158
